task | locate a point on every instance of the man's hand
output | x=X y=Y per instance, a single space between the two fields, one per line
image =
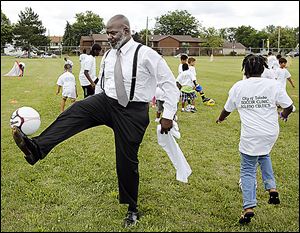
x=166 y=125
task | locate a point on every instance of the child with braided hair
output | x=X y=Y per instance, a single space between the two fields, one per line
x=256 y=100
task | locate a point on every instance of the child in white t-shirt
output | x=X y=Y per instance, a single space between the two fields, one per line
x=183 y=60
x=256 y=100
x=186 y=82
x=69 y=62
x=282 y=73
x=67 y=83
x=191 y=62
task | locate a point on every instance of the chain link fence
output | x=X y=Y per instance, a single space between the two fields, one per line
x=60 y=51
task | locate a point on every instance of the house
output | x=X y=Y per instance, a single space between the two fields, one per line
x=175 y=44
x=233 y=48
x=55 y=42
x=86 y=42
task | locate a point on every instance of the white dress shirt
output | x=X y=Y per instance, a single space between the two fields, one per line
x=152 y=71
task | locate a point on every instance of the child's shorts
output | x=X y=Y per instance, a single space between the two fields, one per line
x=185 y=96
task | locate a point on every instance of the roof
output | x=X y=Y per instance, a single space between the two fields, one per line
x=180 y=38
x=229 y=45
x=95 y=37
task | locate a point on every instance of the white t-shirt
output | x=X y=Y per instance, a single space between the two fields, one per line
x=68 y=83
x=282 y=75
x=193 y=70
x=179 y=68
x=256 y=100
x=268 y=73
x=82 y=57
x=90 y=65
x=271 y=61
x=186 y=78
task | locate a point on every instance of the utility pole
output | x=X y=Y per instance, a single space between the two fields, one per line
x=147 y=32
x=278 y=47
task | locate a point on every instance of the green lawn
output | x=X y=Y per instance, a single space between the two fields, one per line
x=75 y=187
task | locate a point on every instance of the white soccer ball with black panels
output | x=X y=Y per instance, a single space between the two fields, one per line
x=27 y=119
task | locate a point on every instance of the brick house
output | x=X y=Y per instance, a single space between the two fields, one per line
x=88 y=41
x=167 y=45
x=175 y=44
x=236 y=47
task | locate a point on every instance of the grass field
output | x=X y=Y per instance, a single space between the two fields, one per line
x=75 y=187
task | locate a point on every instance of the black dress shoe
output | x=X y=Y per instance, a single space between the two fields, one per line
x=26 y=145
x=131 y=218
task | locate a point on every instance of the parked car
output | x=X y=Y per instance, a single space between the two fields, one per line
x=293 y=54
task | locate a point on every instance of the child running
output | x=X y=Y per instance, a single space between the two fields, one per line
x=256 y=100
x=191 y=62
x=67 y=83
x=186 y=82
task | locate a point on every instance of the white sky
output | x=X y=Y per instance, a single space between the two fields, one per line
x=218 y=14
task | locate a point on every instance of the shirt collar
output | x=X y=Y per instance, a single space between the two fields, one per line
x=127 y=46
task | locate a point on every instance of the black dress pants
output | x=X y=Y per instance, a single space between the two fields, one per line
x=129 y=125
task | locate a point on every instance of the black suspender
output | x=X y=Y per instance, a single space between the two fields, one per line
x=102 y=75
x=134 y=69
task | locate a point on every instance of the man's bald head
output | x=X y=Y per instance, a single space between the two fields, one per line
x=119 y=20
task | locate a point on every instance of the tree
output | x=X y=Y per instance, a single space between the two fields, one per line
x=6 y=30
x=143 y=33
x=86 y=24
x=69 y=37
x=177 y=23
x=29 y=31
x=212 y=37
x=246 y=36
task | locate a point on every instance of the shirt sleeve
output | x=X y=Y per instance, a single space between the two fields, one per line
x=166 y=81
x=287 y=74
x=87 y=64
x=60 y=81
x=230 y=104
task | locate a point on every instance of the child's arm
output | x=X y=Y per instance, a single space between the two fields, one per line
x=286 y=112
x=58 y=89
x=195 y=83
x=291 y=82
x=222 y=116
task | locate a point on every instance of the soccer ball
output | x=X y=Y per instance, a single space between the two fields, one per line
x=27 y=119
x=210 y=102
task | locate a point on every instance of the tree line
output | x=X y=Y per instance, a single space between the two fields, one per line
x=29 y=31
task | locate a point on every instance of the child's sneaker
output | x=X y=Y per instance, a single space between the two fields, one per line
x=188 y=108
x=193 y=110
x=274 y=198
x=205 y=100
